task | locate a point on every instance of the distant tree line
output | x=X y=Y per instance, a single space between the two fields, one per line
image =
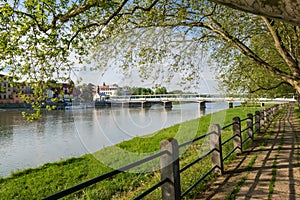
x=147 y=91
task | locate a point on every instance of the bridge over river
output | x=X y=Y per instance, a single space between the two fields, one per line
x=167 y=99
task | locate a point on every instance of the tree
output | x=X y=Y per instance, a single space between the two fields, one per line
x=181 y=30
x=160 y=90
x=39 y=38
x=86 y=92
x=286 y=10
x=246 y=75
x=141 y=91
x=177 y=92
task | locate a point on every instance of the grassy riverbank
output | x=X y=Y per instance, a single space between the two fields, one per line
x=53 y=177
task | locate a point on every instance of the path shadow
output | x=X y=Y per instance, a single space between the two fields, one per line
x=275 y=145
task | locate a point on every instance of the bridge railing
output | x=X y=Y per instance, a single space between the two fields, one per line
x=178 y=96
x=243 y=130
x=195 y=97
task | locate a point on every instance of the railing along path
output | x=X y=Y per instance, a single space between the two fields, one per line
x=169 y=156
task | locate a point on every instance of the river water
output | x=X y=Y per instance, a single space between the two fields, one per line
x=70 y=133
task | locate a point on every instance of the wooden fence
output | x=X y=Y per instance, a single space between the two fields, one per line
x=169 y=156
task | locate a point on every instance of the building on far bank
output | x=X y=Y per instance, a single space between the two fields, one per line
x=6 y=91
x=61 y=91
x=11 y=93
x=109 y=90
x=105 y=91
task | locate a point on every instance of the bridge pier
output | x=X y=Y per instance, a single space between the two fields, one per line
x=127 y=104
x=202 y=105
x=148 y=104
x=168 y=104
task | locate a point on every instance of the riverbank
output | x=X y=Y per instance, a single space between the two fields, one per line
x=53 y=177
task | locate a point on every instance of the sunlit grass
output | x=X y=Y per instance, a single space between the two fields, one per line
x=54 y=177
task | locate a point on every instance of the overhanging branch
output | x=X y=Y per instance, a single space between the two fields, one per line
x=269 y=88
x=285 y=10
x=281 y=49
x=242 y=47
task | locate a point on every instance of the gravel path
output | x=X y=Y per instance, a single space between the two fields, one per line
x=268 y=170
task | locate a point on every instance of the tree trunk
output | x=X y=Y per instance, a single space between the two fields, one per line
x=296 y=85
x=286 y=10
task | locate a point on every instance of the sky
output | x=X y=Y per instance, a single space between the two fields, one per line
x=112 y=53
x=208 y=83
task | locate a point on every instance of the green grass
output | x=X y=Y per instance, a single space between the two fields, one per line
x=53 y=177
x=297 y=111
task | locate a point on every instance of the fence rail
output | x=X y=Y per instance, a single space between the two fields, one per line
x=169 y=156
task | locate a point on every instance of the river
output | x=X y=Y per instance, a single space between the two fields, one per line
x=62 y=134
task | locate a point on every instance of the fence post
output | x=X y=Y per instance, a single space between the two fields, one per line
x=169 y=169
x=274 y=108
x=215 y=143
x=265 y=117
x=237 y=140
x=262 y=119
x=257 y=121
x=269 y=115
x=250 y=125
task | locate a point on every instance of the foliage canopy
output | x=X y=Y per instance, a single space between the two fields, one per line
x=39 y=40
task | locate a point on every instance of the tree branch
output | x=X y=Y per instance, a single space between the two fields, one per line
x=142 y=8
x=78 y=10
x=234 y=41
x=287 y=10
x=243 y=48
x=40 y=27
x=98 y=24
x=78 y=31
x=269 y=88
x=111 y=17
x=281 y=49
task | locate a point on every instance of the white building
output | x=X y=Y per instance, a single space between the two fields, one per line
x=105 y=91
x=108 y=90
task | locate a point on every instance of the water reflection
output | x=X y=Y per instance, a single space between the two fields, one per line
x=63 y=134
x=9 y=120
